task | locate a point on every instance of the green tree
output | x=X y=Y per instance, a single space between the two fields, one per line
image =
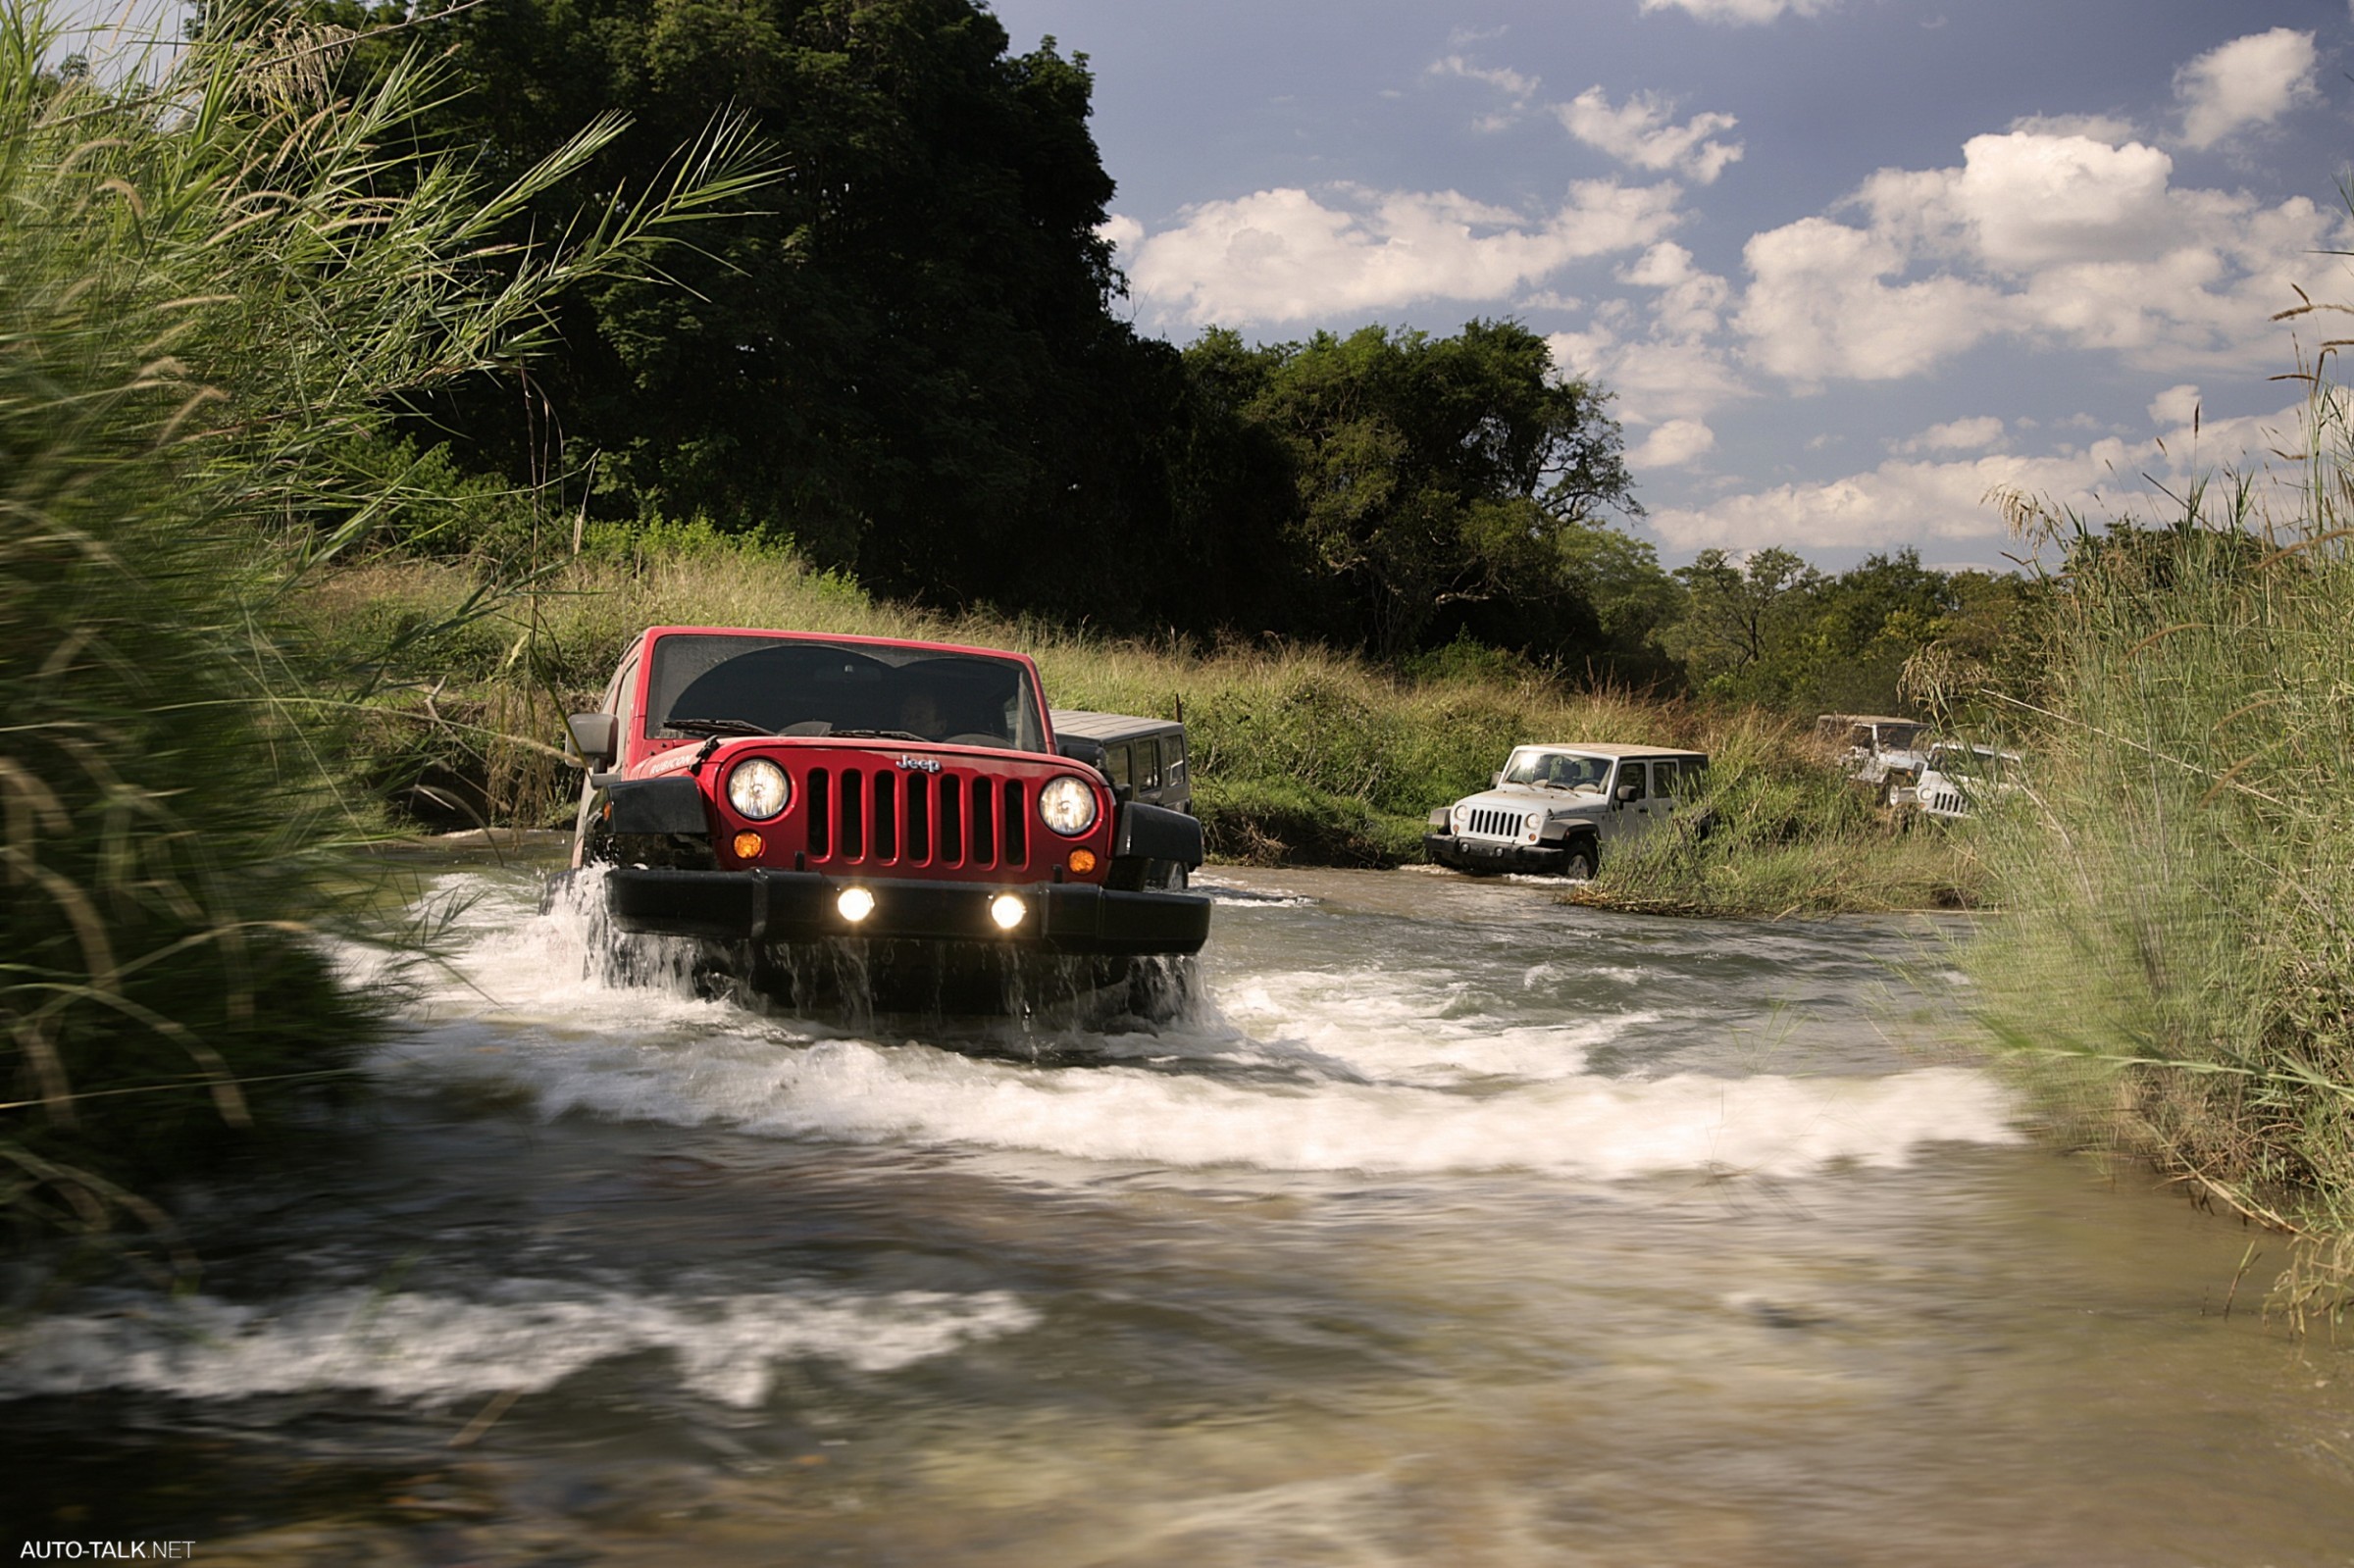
x=908 y=362
x=1431 y=474
x=1741 y=635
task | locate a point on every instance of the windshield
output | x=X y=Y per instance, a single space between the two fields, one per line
x=1894 y=736
x=1560 y=770
x=805 y=686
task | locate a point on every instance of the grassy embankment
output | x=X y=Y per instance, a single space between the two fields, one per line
x=2178 y=971
x=1301 y=755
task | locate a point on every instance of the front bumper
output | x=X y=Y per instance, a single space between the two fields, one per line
x=799 y=906
x=1486 y=854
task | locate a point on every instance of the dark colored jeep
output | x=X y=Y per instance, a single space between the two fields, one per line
x=826 y=814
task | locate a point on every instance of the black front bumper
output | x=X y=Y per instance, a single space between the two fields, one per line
x=1483 y=854
x=801 y=906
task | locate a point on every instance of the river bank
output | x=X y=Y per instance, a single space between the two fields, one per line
x=1301 y=755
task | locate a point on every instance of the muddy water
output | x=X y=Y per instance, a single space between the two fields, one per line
x=1458 y=1228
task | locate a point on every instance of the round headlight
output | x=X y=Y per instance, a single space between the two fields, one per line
x=758 y=789
x=1536 y=819
x=1067 y=805
x=1462 y=814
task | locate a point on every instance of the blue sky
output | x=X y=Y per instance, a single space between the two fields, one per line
x=1848 y=265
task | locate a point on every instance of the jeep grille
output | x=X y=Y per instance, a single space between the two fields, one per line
x=1489 y=823
x=885 y=816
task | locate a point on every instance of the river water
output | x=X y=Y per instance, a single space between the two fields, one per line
x=1457 y=1226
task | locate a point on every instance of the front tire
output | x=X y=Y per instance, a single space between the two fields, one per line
x=1579 y=861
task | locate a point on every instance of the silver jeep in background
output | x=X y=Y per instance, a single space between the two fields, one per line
x=1880 y=752
x=1558 y=808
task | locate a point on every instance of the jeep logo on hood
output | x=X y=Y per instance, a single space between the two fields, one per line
x=920 y=764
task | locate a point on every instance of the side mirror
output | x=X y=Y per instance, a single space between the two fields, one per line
x=1495 y=778
x=1630 y=793
x=596 y=736
x=1080 y=749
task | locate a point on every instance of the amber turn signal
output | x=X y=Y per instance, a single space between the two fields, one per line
x=748 y=846
x=1082 y=862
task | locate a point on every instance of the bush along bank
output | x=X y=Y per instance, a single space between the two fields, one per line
x=2180 y=867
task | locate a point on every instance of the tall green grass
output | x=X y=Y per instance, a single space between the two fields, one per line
x=213 y=273
x=2178 y=969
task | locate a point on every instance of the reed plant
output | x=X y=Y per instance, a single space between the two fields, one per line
x=214 y=269
x=2176 y=973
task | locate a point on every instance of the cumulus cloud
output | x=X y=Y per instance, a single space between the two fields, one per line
x=1669 y=363
x=1955 y=435
x=1741 y=11
x=2059 y=240
x=2176 y=406
x=1672 y=445
x=1288 y=255
x=1909 y=500
x=1510 y=83
x=1643 y=132
x=2249 y=81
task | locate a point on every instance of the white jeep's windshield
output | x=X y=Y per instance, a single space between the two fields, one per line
x=1559 y=770
x=704 y=684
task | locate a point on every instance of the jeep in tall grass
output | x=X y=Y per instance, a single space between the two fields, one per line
x=1883 y=754
x=822 y=814
x=1958 y=778
x=1560 y=808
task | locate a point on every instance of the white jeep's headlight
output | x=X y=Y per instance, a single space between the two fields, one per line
x=1462 y=815
x=758 y=788
x=1067 y=805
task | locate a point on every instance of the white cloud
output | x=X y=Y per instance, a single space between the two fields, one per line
x=2175 y=406
x=1955 y=435
x=1898 y=502
x=1510 y=83
x=1120 y=230
x=1672 y=445
x=1909 y=501
x=1819 y=305
x=2058 y=240
x=1643 y=134
x=1287 y=255
x=1672 y=368
x=1741 y=11
x=2249 y=81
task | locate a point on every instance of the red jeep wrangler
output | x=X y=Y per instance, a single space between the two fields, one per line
x=829 y=814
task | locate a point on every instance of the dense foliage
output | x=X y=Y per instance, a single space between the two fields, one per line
x=209 y=284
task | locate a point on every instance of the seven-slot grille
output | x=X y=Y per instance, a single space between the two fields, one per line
x=1489 y=823
x=885 y=816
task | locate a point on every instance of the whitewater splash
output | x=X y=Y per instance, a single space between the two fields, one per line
x=1384 y=1069
x=435 y=1349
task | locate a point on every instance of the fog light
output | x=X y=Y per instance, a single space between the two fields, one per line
x=1007 y=911
x=748 y=846
x=1082 y=862
x=855 y=904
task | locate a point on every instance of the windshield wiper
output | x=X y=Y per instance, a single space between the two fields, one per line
x=717 y=726
x=885 y=734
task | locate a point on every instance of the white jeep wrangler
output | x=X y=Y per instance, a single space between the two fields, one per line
x=1558 y=808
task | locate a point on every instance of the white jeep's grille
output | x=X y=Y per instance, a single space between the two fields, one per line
x=1489 y=823
x=1948 y=801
